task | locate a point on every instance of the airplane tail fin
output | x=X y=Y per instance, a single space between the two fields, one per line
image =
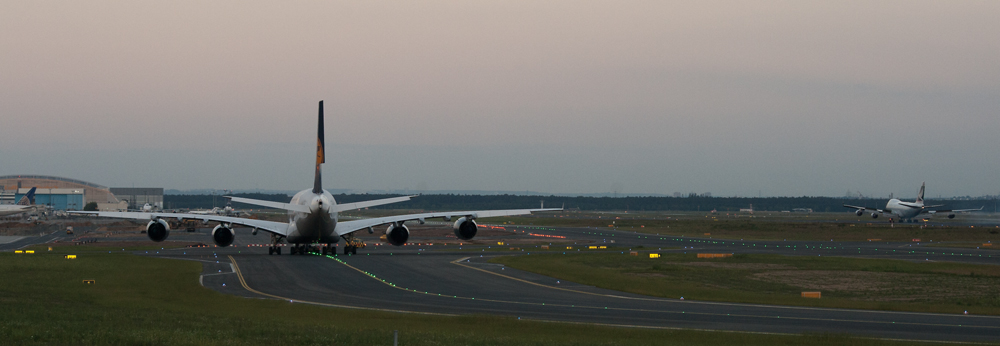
x=29 y=198
x=320 y=153
x=920 y=195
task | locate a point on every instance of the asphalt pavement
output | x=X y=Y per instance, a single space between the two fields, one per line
x=457 y=280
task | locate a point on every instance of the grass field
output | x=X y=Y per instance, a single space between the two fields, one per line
x=772 y=279
x=801 y=228
x=139 y=300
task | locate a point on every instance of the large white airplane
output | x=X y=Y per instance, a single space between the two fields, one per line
x=26 y=203
x=312 y=218
x=908 y=210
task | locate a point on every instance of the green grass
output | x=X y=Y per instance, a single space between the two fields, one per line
x=772 y=279
x=149 y=301
x=761 y=229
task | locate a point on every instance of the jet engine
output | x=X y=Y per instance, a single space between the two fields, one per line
x=397 y=235
x=859 y=212
x=951 y=216
x=465 y=229
x=222 y=235
x=874 y=215
x=157 y=230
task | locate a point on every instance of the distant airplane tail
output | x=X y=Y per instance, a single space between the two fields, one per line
x=920 y=195
x=320 y=153
x=29 y=198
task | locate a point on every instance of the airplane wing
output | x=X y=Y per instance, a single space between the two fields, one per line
x=279 y=228
x=951 y=210
x=880 y=211
x=345 y=227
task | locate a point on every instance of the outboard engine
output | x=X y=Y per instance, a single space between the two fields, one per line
x=223 y=236
x=874 y=215
x=859 y=212
x=397 y=235
x=465 y=229
x=157 y=230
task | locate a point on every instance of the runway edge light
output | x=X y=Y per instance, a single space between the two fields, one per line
x=811 y=295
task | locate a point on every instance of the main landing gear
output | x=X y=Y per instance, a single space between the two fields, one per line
x=304 y=249
x=324 y=250
x=274 y=249
x=351 y=246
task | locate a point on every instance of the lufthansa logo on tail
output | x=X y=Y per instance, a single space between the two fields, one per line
x=320 y=156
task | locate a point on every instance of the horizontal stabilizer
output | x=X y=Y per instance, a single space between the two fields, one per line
x=372 y=203
x=276 y=205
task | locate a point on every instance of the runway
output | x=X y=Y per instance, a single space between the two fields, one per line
x=415 y=279
x=15 y=243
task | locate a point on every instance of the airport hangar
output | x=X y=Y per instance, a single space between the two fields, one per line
x=71 y=194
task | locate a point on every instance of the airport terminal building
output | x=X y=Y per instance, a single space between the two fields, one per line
x=71 y=194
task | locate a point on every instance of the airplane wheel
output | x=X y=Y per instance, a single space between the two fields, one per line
x=277 y=250
x=347 y=250
x=324 y=251
x=354 y=250
x=291 y=250
x=270 y=251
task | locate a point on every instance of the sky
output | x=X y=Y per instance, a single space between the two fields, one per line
x=747 y=98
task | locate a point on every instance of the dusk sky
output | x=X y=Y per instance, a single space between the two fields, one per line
x=777 y=98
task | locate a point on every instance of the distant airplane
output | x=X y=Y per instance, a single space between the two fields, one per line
x=313 y=219
x=908 y=210
x=26 y=203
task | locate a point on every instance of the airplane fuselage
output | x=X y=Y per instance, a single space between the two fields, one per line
x=8 y=210
x=904 y=210
x=316 y=226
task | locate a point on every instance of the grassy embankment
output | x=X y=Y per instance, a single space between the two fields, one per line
x=762 y=229
x=771 y=279
x=148 y=301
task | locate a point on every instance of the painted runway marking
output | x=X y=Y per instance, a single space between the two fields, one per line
x=373 y=276
x=248 y=288
x=458 y=262
x=243 y=282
